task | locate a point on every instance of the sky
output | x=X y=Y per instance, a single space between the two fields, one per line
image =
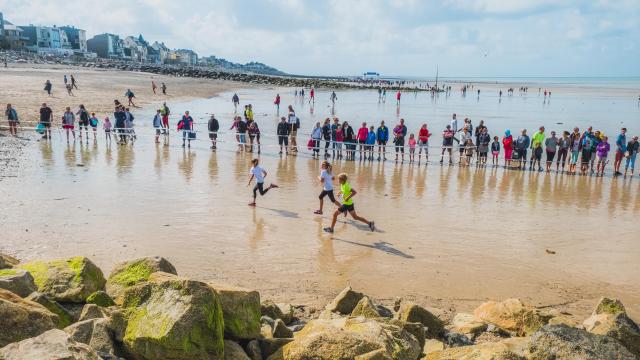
x=462 y=38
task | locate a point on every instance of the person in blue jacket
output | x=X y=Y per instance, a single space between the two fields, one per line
x=371 y=142
x=521 y=145
x=382 y=135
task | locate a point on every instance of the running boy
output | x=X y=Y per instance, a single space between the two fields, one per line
x=347 y=205
x=259 y=174
x=326 y=178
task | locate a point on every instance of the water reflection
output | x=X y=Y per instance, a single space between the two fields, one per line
x=185 y=165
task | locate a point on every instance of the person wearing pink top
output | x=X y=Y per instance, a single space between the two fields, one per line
x=363 y=132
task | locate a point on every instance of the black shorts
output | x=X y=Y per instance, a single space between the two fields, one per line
x=283 y=140
x=47 y=125
x=346 y=208
x=213 y=136
x=382 y=143
x=328 y=193
x=362 y=142
x=84 y=123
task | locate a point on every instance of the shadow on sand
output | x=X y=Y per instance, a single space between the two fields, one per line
x=381 y=245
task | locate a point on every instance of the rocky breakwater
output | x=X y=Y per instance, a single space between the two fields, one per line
x=143 y=310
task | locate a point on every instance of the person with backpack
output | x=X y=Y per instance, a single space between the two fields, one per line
x=83 y=121
x=294 y=123
x=187 y=129
x=283 y=131
x=213 y=126
x=165 y=112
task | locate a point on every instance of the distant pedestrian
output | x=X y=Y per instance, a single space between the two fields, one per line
x=294 y=123
x=423 y=142
x=12 y=118
x=106 y=126
x=398 y=95
x=153 y=87
x=213 y=126
x=236 y=101
x=66 y=81
x=447 y=144
x=93 y=122
x=130 y=95
x=48 y=87
x=73 y=82
x=157 y=124
x=46 y=118
x=68 y=123
x=277 y=103
x=621 y=149
x=399 y=133
x=164 y=89
x=602 y=150
x=283 y=131
x=165 y=112
x=83 y=121
x=187 y=129
x=633 y=147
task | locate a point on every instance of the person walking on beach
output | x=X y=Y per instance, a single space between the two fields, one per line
x=157 y=124
x=361 y=137
x=119 y=118
x=164 y=88
x=73 y=82
x=130 y=95
x=564 y=144
x=46 y=118
x=283 y=130
x=277 y=103
x=447 y=144
x=423 y=142
x=507 y=144
x=633 y=147
x=537 y=138
x=259 y=174
x=48 y=87
x=153 y=86
x=68 y=120
x=83 y=122
x=333 y=99
x=294 y=123
x=236 y=101
x=66 y=81
x=399 y=133
x=212 y=127
x=326 y=179
x=551 y=146
x=241 y=128
x=398 y=96
x=347 y=206
x=164 y=111
x=12 y=118
x=382 y=135
x=128 y=124
x=312 y=96
x=602 y=150
x=621 y=149
x=187 y=129
x=521 y=145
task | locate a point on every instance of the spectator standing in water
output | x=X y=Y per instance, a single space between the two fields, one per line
x=398 y=95
x=564 y=144
x=399 y=133
x=277 y=103
x=507 y=144
x=633 y=147
x=283 y=131
x=165 y=112
x=521 y=145
x=537 y=138
x=447 y=144
x=621 y=149
x=602 y=150
x=551 y=146
x=157 y=124
x=312 y=96
x=46 y=118
x=382 y=135
x=326 y=135
x=187 y=128
x=68 y=120
x=294 y=124
x=83 y=121
x=423 y=142
x=213 y=126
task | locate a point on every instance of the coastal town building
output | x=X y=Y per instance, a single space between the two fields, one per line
x=12 y=37
x=46 y=40
x=77 y=38
x=159 y=53
x=1 y=30
x=135 y=49
x=107 y=46
x=183 y=57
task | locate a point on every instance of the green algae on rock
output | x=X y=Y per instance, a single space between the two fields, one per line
x=130 y=273
x=100 y=298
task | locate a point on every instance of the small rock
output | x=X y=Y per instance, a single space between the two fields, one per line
x=8 y=261
x=453 y=339
x=52 y=345
x=233 y=351
x=100 y=298
x=365 y=307
x=64 y=317
x=432 y=345
x=467 y=324
x=253 y=350
x=92 y=311
x=17 y=281
x=345 y=302
x=411 y=312
x=280 y=330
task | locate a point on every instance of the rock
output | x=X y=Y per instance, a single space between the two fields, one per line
x=453 y=339
x=253 y=350
x=512 y=315
x=270 y=346
x=270 y=309
x=241 y=311
x=70 y=280
x=560 y=342
x=380 y=354
x=118 y=324
x=64 y=318
x=233 y=351
x=100 y=298
x=174 y=318
x=266 y=331
x=95 y=333
x=92 y=311
x=287 y=313
x=133 y=272
x=383 y=311
x=467 y=324
x=432 y=345
x=347 y=338
x=21 y=319
x=609 y=306
x=411 y=312
x=509 y=349
x=265 y=320
x=618 y=326
x=365 y=307
x=345 y=302
x=17 y=281
x=280 y=330
x=51 y=345
x=7 y=261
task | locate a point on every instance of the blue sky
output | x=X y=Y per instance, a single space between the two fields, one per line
x=394 y=37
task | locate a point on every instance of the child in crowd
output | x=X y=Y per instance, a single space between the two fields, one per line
x=371 y=141
x=423 y=142
x=107 y=129
x=602 y=150
x=339 y=141
x=347 y=205
x=412 y=147
x=468 y=151
x=326 y=178
x=259 y=174
x=537 y=155
x=495 y=150
x=93 y=122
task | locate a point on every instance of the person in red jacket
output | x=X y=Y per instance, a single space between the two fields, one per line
x=363 y=132
x=398 y=95
x=423 y=142
x=507 y=144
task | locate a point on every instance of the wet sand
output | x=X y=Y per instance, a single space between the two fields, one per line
x=447 y=237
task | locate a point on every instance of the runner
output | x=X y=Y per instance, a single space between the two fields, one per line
x=382 y=134
x=326 y=178
x=213 y=126
x=68 y=120
x=46 y=118
x=283 y=130
x=130 y=95
x=621 y=149
x=259 y=174
x=347 y=205
x=12 y=118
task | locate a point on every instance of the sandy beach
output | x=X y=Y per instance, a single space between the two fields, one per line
x=448 y=237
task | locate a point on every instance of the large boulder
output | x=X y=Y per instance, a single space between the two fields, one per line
x=17 y=281
x=277 y=311
x=64 y=317
x=241 y=311
x=70 y=280
x=561 y=342
x=410 y=312
x=512 y=315
x=21 y=319
x=467 y=324
x=51 y=345
x=170 y=317
x=95 y=333
x=7 y=261
x=233 y=351
x=610 y=319
x=347 y=338
x=509 y=349
x=345 y=302
x=133 y=272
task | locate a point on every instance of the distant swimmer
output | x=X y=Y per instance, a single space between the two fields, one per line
x=347 y=206
x=259 y=174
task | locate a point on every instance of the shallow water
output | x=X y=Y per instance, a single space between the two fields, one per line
x=443 y=232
